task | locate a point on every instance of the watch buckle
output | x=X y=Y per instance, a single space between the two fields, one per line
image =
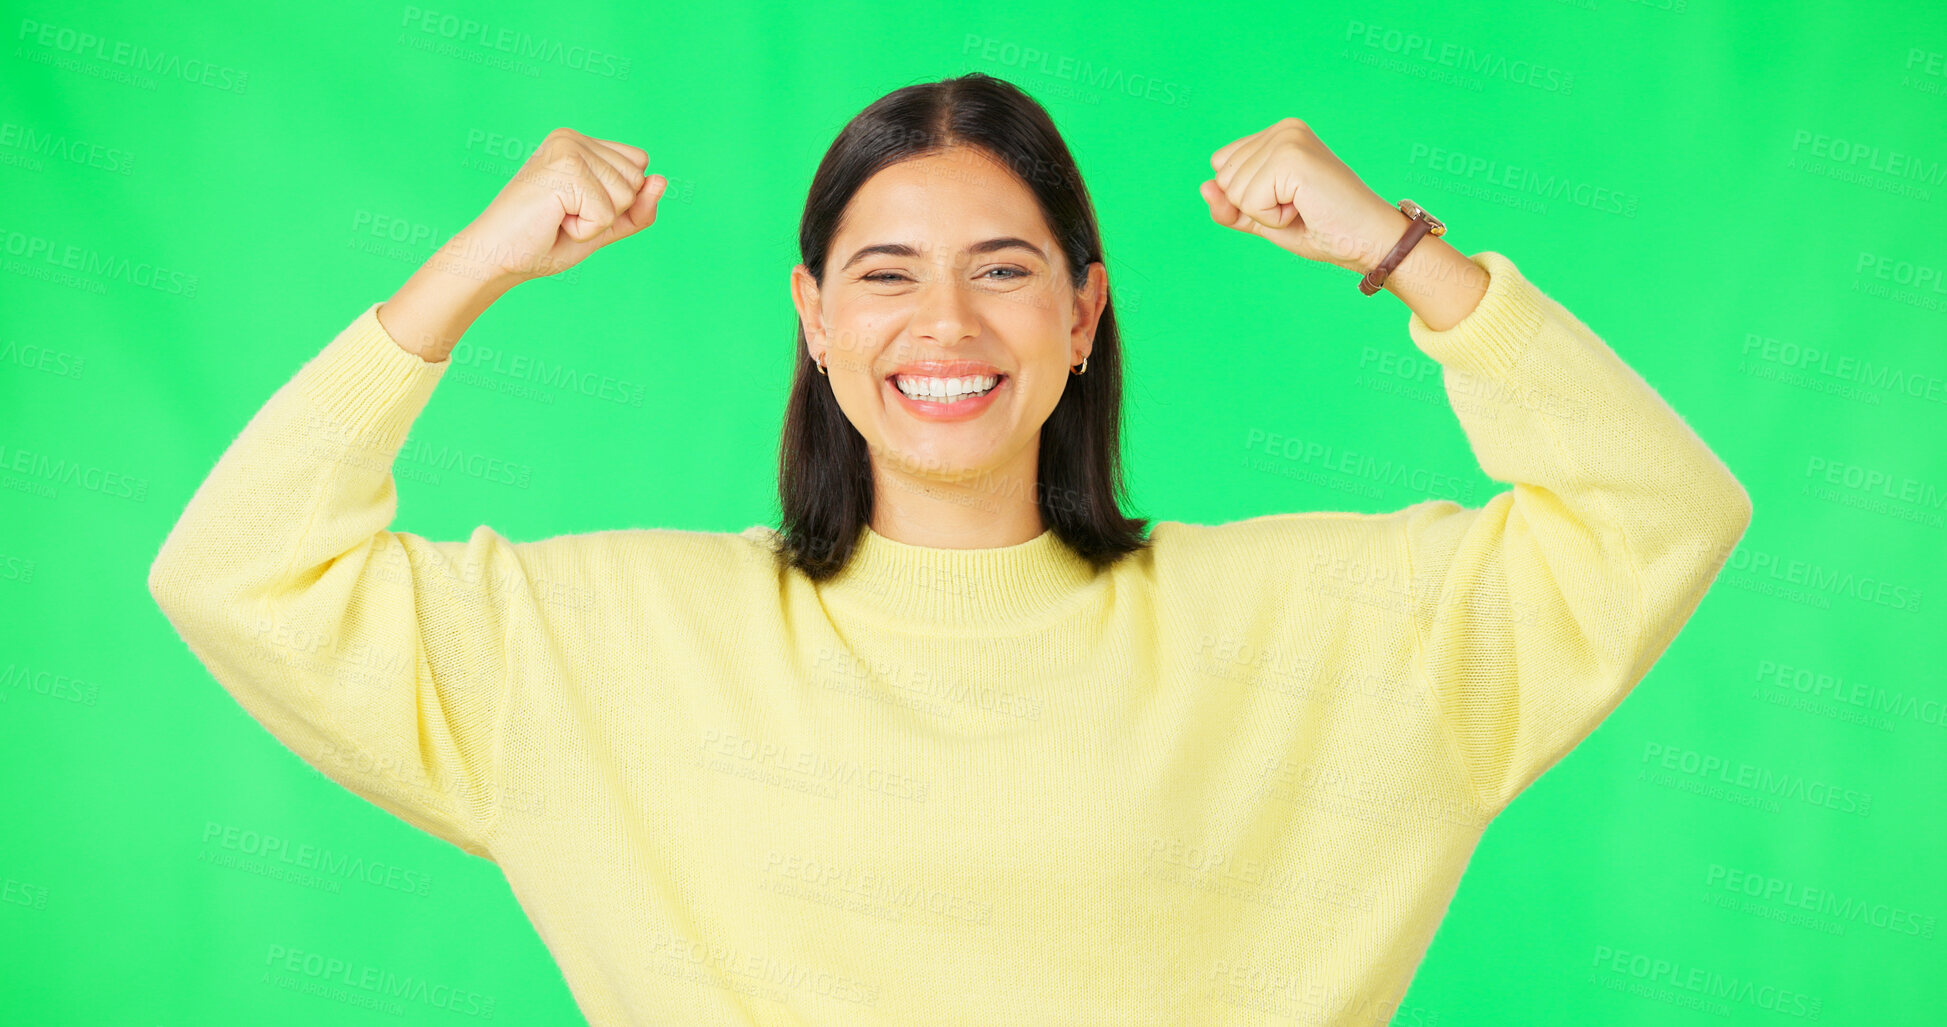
x=1417 y=212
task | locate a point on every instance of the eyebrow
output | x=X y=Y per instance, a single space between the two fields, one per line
x=988 y=246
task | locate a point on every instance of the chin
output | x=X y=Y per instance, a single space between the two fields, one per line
x=915 y=458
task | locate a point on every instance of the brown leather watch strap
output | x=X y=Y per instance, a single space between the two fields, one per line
x=1419 y=224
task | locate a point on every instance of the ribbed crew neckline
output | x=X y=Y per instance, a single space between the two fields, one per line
x=949 y=588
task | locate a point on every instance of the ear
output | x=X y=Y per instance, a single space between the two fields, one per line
x=1090 y=300
x=804 y=296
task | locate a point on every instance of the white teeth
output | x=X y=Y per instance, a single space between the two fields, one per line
x=945 y=389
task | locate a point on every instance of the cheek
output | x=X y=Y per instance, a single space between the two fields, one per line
x=1027 y=312
x=1037 y=391
x=856 y=344
x=859 y=396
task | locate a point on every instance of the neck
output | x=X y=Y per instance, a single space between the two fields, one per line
x=989 y=510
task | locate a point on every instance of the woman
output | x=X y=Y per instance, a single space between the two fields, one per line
x=957 y=743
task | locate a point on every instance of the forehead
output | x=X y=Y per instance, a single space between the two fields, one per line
x=961 y=192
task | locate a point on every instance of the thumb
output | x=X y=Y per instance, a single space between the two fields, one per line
x=1222 y=211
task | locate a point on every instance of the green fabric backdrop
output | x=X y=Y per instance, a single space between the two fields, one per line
x=1746 y=201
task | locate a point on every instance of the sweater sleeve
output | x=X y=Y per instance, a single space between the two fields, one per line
x=376 y=656
x=1538 y=612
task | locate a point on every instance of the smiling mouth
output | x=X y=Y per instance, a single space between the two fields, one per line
x=962 y=389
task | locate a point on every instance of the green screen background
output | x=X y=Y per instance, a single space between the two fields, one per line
x=1746 y=202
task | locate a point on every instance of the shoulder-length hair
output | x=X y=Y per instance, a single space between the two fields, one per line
x=824 y=468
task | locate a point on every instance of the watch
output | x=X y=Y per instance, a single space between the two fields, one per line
x=1419 y=223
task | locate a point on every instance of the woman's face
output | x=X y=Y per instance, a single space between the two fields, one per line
x=944 y=277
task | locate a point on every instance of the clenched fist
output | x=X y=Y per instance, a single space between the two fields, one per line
x=1285 y=184
x=573 y=196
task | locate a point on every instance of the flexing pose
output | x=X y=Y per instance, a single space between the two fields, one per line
x=958 y=742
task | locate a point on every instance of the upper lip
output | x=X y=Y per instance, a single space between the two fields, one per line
x=945 y=369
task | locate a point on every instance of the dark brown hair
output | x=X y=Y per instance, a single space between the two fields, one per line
x=824 y=468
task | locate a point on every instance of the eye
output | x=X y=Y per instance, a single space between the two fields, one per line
x=1013 y=273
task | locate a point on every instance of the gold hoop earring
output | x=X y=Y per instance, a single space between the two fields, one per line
x=1082 y=368
x=821 y=368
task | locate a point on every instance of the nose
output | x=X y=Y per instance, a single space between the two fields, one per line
x=942 y=313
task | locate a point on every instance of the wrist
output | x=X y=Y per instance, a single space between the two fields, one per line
x=436 y=306
x=1437 y=282
x=471 y=266
x=1382 y=233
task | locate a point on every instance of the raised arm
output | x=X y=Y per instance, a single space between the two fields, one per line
x=1535 y=614
x=377 y=656
x=1538 y=612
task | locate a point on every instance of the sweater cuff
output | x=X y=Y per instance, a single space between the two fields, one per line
x=1495 y=333
x=368 y=383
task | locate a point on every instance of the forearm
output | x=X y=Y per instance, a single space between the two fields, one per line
x=443 y=298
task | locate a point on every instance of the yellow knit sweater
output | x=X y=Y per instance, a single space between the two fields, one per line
x=1233 y=780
